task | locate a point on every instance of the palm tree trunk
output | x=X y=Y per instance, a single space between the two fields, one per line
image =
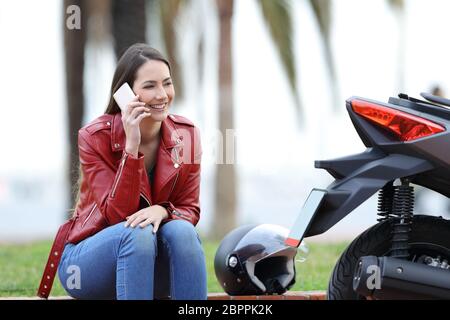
x=225 y=211
x=128 y=24
x=74 y=45
x=169 y=11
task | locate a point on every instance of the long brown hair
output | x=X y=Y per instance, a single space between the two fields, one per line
x=127 y=66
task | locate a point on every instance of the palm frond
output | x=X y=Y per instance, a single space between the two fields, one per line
x=322 y=14
x=279 y=21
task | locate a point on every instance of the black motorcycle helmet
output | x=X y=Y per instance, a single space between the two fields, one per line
x=254 y=260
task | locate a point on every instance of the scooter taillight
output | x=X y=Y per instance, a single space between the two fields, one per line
x=405 y=126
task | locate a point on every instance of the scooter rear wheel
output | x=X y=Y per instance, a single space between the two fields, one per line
x=430 y=236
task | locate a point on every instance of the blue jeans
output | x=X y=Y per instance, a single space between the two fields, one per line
x=133 y=263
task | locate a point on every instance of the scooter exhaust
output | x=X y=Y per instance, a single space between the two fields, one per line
x=391 y=278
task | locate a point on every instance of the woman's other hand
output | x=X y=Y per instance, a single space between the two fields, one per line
x=150 y=215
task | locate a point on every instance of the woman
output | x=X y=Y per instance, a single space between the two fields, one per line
x=132 y=235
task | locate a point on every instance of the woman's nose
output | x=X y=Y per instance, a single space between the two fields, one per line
x=161 y=94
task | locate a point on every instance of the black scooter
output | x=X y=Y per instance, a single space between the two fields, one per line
x=403 y=256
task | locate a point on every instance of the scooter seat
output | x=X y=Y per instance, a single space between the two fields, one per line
x=436 y=99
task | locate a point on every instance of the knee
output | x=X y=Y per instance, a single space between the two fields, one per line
x=141 y=240
x=181 y=232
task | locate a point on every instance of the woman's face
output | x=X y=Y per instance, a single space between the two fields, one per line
x=154 y=86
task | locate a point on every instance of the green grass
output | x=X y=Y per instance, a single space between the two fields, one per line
x=21 y=267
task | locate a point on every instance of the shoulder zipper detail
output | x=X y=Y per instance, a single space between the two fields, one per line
x=89 y=215
x=119 y=174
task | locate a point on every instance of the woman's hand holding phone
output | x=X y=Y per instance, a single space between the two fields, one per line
x=132 y=116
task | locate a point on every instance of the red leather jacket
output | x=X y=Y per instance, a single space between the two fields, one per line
x=115 y=184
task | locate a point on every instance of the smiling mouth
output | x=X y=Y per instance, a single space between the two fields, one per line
x=158 y=107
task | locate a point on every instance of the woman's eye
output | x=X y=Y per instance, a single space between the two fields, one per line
x=168 y=83
x=149 y=87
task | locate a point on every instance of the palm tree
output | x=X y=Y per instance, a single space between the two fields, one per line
x=225 y=202
x=74 y=47
x=277 y=15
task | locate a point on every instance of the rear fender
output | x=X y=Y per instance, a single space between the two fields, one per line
x=358 y=177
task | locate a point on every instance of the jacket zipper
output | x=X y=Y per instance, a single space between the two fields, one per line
x=113 y=192
x=89 y=215
x=148 y=201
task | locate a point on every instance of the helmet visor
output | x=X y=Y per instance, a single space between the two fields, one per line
x=262 y=241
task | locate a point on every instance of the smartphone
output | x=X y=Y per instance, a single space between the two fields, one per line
x=123 y=96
